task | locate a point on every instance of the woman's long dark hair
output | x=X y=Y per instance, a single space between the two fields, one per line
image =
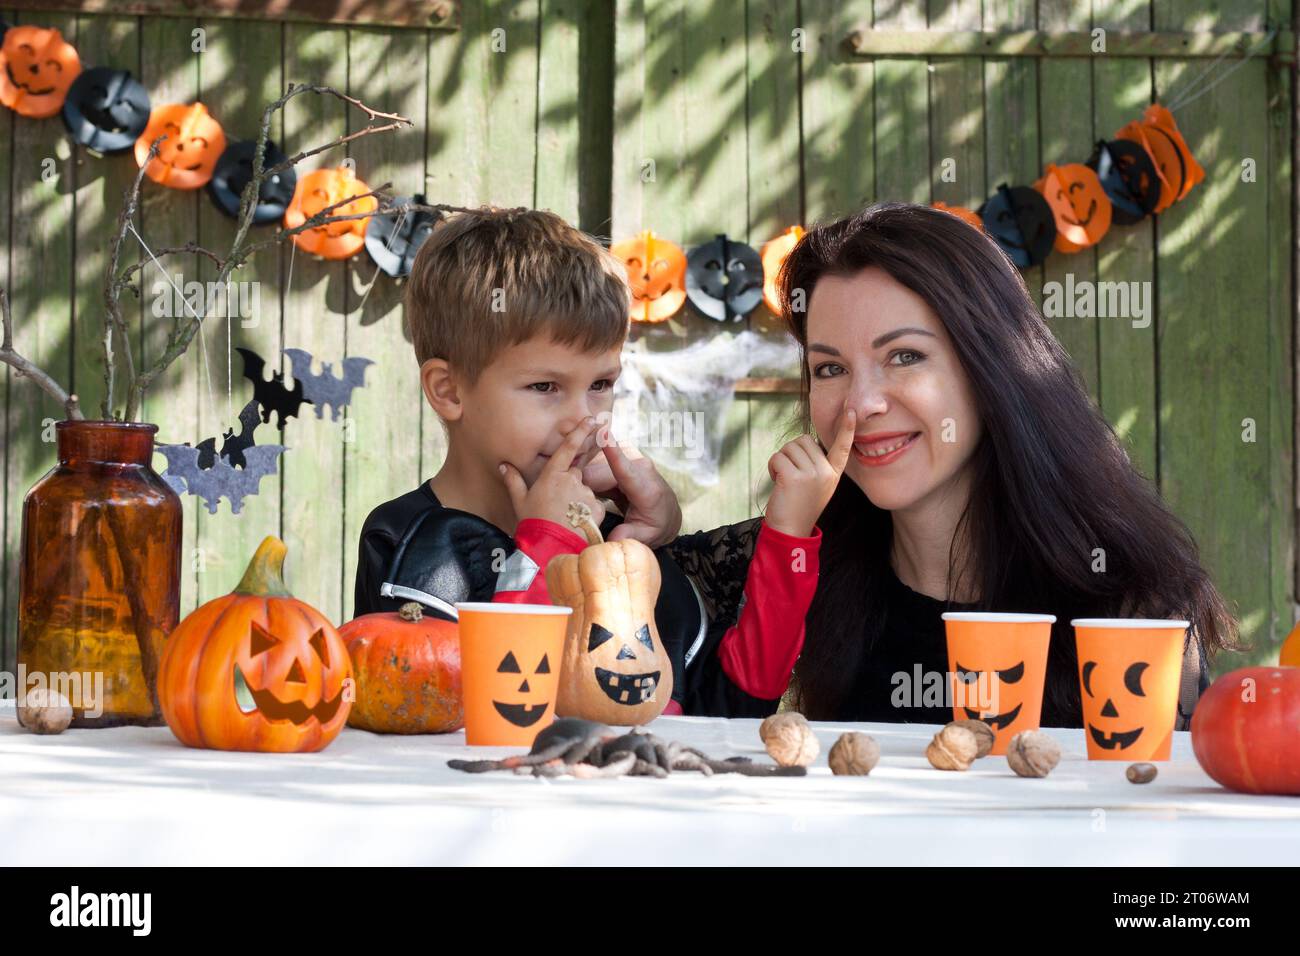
x=1051 y=482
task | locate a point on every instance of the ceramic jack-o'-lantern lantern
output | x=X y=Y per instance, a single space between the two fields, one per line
x=656 y=270
x=1079 y=205
x=775 y=252
x=189 y=154
x=316 y=192
x=256 y=669
x=616 y=670
x=37 y=67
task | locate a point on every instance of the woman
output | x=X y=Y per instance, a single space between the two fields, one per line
x=982 y=477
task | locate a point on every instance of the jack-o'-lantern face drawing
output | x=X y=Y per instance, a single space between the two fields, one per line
x=656 y=270
x=527 y=708
x=616 y=670
x=1007 y=711
x=317 y=192
x=1079 y=204
x=293 y=676
x=37 y=66
x=1114 y=728
x=189 y=154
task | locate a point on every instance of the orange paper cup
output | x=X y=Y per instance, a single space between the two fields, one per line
x=1129 y=672
x=998 y=663
x=510 y=657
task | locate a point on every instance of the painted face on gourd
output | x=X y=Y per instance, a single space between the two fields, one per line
x=515 y=699
x=1125 y=710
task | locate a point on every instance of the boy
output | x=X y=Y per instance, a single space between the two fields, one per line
x=518 y=321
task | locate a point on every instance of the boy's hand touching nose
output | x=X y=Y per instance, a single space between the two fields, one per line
x=651 y=513
x=805 y=478
x=559 y=483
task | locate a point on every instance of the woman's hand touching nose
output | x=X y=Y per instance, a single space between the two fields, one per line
x=805 y=477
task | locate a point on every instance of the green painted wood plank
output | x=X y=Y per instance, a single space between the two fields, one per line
x=1126 y=353
x=381 y=427
x=239 y=74
x=1213 y=335
x=509 y=76
x=902 y=111
x=838 y=114
x=41 y=283
x=1281 y=238
x=315 y=301
x=957 y=113
x=169 y=217
x=1066 y=116
x=14 y=394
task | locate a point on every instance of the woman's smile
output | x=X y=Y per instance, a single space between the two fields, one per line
x=882 y=448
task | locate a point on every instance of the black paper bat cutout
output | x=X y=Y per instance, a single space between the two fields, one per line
x=232 y=445
x=324 y=389
x=211 y=484
x=271 y=395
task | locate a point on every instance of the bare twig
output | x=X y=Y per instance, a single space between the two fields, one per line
x=24 y=366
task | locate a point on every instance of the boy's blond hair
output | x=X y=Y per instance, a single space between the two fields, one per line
x=492 y=278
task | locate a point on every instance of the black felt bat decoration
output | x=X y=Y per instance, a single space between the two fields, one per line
x=271 y=395
x=324 y=389
x=232 y=445
x=211 y=484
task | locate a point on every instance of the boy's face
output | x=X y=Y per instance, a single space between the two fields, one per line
x=530 y=396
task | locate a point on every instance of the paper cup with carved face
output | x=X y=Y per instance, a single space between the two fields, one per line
x=1129 y=673
x=510 y=658
x=998 y=663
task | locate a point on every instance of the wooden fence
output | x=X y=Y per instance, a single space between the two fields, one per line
x=691 y=118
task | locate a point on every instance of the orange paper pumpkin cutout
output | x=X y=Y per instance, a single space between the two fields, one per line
x=1158 y=134
x=774 y=255
x=318 y=191
x=998 y=664
x=656 y=270
x=1129 y=674
x=1080 y=206
x=188 y=156
x=1161 y=120
x=1289 y=656
x=37 y=66
x=961 y=212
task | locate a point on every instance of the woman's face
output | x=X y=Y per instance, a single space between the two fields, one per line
x=877 y=346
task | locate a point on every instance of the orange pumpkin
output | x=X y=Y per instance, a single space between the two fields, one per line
x=775 y=252
x=656 y=270
x=1246 y=730
x=318 y=191
x=256 y=669
x=1289 y=656
x=188 y=156
x=37 y=66
x=1080 y=206
x=1158 y=134
x=407 y=667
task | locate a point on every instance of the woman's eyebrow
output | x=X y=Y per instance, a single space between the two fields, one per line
x=818 y=347
x=897 y=333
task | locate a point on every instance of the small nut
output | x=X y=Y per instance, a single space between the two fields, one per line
x=790 y=740
x=1141 y=772
x=953 y=748
x=45 y=711
x=1032 y=753
x=777 y=720
x=854 y=754
x=982 y=731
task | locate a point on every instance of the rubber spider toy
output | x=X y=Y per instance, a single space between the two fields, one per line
x=587 y=749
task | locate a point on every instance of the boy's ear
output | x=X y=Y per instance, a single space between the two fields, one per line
x=440 y=389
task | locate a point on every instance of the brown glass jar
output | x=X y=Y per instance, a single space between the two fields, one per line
x=100 y=573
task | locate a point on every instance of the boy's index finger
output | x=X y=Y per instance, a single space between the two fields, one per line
x=564 y=456
x=838 y=454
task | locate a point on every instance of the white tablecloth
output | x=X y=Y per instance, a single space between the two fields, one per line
x=137 y=796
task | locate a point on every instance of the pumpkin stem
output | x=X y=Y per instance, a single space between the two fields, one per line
x=265 y=574
x=410 y=611
x=579 y=515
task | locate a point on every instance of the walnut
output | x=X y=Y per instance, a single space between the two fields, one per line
x=789 y=739
x=983 y=734
x=854 y=754
x=953 y=748
x=1141 y=773
x=777 y=720
x=1033 y=753
x=45 y=711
